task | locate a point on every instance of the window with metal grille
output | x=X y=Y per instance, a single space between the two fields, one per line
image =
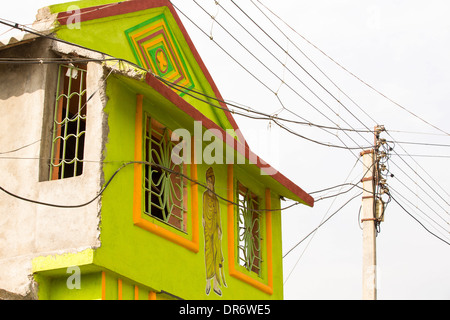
x=164 y=184
x=249 y=223
x=69 y=123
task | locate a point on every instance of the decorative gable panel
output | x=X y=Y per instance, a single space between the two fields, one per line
x=156 y=49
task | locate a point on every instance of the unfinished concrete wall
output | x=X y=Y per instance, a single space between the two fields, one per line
x=28 y=230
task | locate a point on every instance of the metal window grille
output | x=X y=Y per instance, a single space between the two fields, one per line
x=249 y=221
x=69 y=124
x=164 y=189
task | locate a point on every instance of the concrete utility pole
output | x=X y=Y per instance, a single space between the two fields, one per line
x=369 y=227
x=370 y=218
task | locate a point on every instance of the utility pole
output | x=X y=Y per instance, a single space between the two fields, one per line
x=369 y=228
x=369 y=217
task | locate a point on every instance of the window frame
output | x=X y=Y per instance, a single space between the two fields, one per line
x=60 y=121
x=189 y=239
x=264 y=282
x=158 y=135
x=249 y=242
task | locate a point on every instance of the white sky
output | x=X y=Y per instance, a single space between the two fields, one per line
x=400 y=47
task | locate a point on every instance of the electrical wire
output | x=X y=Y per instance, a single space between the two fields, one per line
x=315 y=232
x=318 y=68
x=423 y=155
x=293 y=59
x=122 y=60
x=20 y=148
x=342 y=185
x=422 y=143
x=72 y=44
x=320 y=225
x=438 y=225
x=273 y=55
x=303 y=68
x=417 y=132
x=433 y=234
x=51 y=60
x=353 y=75
x=72 y=15
x=180 y=88
x=266 y=86
x=266 y=117
x=333 y=187
x=102 y=190
x=422 y=200
x=414 y=181
x=426 y=172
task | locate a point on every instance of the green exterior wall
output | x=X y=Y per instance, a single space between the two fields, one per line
x=113 y=29
x=130 y=254
x=143 y=256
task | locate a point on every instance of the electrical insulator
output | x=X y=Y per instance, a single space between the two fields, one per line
x=379 y=210
x=379 y=128
x=383 y=167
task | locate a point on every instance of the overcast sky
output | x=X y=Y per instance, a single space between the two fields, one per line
x=399 y=47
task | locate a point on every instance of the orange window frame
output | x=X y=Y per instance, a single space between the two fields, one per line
x=191 y=244
x=234 y=272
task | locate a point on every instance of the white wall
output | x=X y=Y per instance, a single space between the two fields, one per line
x=28 y=230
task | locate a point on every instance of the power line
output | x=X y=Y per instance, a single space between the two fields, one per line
x=122 y=60
x=320 y=225
x=420 y=222
x=315 y=65
x=333 y=187
x=90 y=49
x=420 y=177
x=24 y=28
x=15 y=25
x=423 y=155
x=273 y=55
x=418 y=132
x=181 y=88
x=420 y=198
x=315 y=232
x=342 y=185
x=122 y=167
x=260 y=81
x=421 y=143
x=266 y=117
x=72 y=15
x=356 y=77
x=249 y=109
x=303 y=68
x=20 y=148
x=283 y=82
x=51 y=60
x=426 y=172
x=306 y=72
x=422 y=211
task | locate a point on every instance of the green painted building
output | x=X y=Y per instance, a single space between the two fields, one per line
x=161 y=196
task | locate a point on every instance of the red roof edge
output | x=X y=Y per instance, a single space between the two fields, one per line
x=187 y=108
x=107 y=10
